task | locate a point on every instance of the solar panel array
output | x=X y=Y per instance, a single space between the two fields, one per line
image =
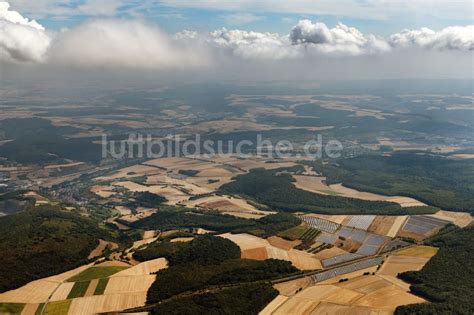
x=325 y=275
x=423 y=224
x=339 y=259
x=327 y=238
x=361 y=221
x=394 y=244
x=320 y=224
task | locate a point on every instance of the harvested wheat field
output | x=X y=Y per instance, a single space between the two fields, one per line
x=303 y=260
x=359 y=295
x=140 y=214
x=30 y=309
x=246 y=241
x=352 y=193
x=461 y=219
x=182 y=239
x=131 y=171
x=296 y=305
x=123 y=210
x=339 y=219
x=290 y=288
x=62 y=291
x=325 y=308
x=282 y=243
x=398 y=264
x=313 y=184
x=329 y=253
x=144 y=268
x=103 y=191
x=129 y=284
x=91 y=288
x=397 y=225
x=106 y=303
x=173 y=195
x=273 y=305
x=39 y=291
x=226 y=204
x=34 y=292
x=417 y=251
x=101 y=247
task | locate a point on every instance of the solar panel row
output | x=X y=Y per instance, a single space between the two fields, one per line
x=320 y=224
x=347 y=269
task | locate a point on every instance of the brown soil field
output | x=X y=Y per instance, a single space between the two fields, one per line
x=415 y=236
x=463 y=156
x=382 y=224
x=394 y=265
x=289 y=288
x=329 y=253
x=282 y=243
x=397 y=224
x=129 y=284
x=101 y=247
x=62 y=291
x=460 y=219
x=144 y=268
x=106 y=303
x=259 y=253
x=226 y=204
x=273 y=305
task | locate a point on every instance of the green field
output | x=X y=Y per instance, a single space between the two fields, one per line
x=79 y=289
x=96 y=273
x=57 y=308
x=100 y=288
x=11 y=308
x=294 y=233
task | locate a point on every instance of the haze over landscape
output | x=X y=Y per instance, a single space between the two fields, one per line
x=236 y=157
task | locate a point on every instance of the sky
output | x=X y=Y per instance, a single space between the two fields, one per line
x=240 y=39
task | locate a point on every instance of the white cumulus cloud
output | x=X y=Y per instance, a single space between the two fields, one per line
x=449 y=38
x=340 y=40
x=253 y=45
x=21 y=39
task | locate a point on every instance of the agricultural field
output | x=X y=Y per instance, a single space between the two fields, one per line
x=253 y=247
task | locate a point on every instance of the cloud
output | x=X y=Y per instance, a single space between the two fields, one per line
x=253 y=45
x=100 y=7
x=241 y=18
x=341 y=40
x=21 y=39
x=450 y=38
x=123 y=43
